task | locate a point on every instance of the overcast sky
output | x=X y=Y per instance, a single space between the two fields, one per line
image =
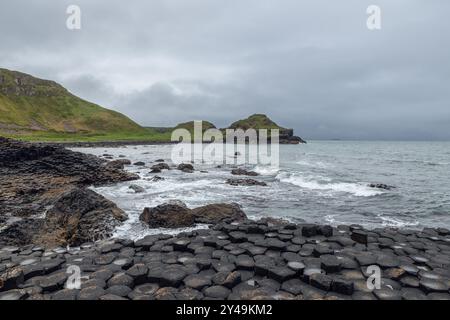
x=310 y=65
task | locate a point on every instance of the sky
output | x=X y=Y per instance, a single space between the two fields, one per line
x=309 y=65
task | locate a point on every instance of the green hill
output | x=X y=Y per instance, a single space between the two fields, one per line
x=261 y=121
x=255 y=121
x=37 y=109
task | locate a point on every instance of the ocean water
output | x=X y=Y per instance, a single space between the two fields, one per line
x=322 y=182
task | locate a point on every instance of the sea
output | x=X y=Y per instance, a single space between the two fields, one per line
x=323 y=182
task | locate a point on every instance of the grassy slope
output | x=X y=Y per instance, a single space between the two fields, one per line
x=59 y=115
x=256 y=121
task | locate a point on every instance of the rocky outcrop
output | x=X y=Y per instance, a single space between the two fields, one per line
x=243 y=172
x=247 y=260
x=381 y=186
x=176 y=214
x=36 y=176
x=214 y=213
x=186 y=167
x=168 y=215
x=245 y=182
x=79 y=215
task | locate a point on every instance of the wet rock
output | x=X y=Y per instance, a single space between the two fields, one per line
x=53 y=282
x=330 y=263
x=429 y=286
x=16 y=294
x=342 y=286
x=139 y=163
x=227 y=279
x=167 y=216
x=111 y=297
x=172 y=276
x=412 y=294
x=214 y=213
x=11 y=278
x=218 y=292
x=156 y=179
x=118 y=164
x=77 y=216
x=197 y=282
x=280 y=274
x=147 y=290
x=65 y=294
x=121 y=279
x=381 y=186
x=186 y=167
x=359 y=236
x=321 y=281
x=293 y=286
x=245 y=182
x=91 y=293
x=243 y=172
x=387 y=294
x=138 y=272
x=136 y=188
x=160 y=166
x=119 y=290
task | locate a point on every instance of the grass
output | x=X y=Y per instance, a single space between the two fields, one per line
x=150 y=135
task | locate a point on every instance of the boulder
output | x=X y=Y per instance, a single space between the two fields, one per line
x=381 y=186
x=243 y=172
x=136 y=188
x=186 y=167
x=160 y=166
x=214 y=213
x=245 y=182
x=118 y=164
x=78 y=216
x=168 y=216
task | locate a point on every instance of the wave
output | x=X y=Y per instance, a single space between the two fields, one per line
x=315 y=164
x=266 y=170
x=356 y=189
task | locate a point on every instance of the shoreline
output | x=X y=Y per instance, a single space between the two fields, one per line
x=235 y=259
x=247 y=260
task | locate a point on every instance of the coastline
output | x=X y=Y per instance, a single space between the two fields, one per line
x=248 y=260
x=233 y=259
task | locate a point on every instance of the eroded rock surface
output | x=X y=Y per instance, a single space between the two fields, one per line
x=36 y=176
x=244 y=260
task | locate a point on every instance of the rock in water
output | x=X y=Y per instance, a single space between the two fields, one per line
x=160 y=166
x=186 y=167
x=136 y=188
x=118 y=164
x=245 y=182
x=80 y=215
x=168 y=216
x=35 y=176
x=381 y=186
x=175 y=214
x=214 y=213
x=243 y=172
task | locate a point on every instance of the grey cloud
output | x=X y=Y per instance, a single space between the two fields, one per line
x=310 y=65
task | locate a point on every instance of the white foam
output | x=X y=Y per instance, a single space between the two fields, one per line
x=266 y=170
x=356 y=189
x=397 y=223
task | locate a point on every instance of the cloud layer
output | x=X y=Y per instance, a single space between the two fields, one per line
x=310 y=65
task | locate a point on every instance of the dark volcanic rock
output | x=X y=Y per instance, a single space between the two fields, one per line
x=381 y=186
x=78 y=216
x=168 y=216
x=245 y=182
x=35 y=176
x=243 y=172
x=214 y=213
x=186 y=167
